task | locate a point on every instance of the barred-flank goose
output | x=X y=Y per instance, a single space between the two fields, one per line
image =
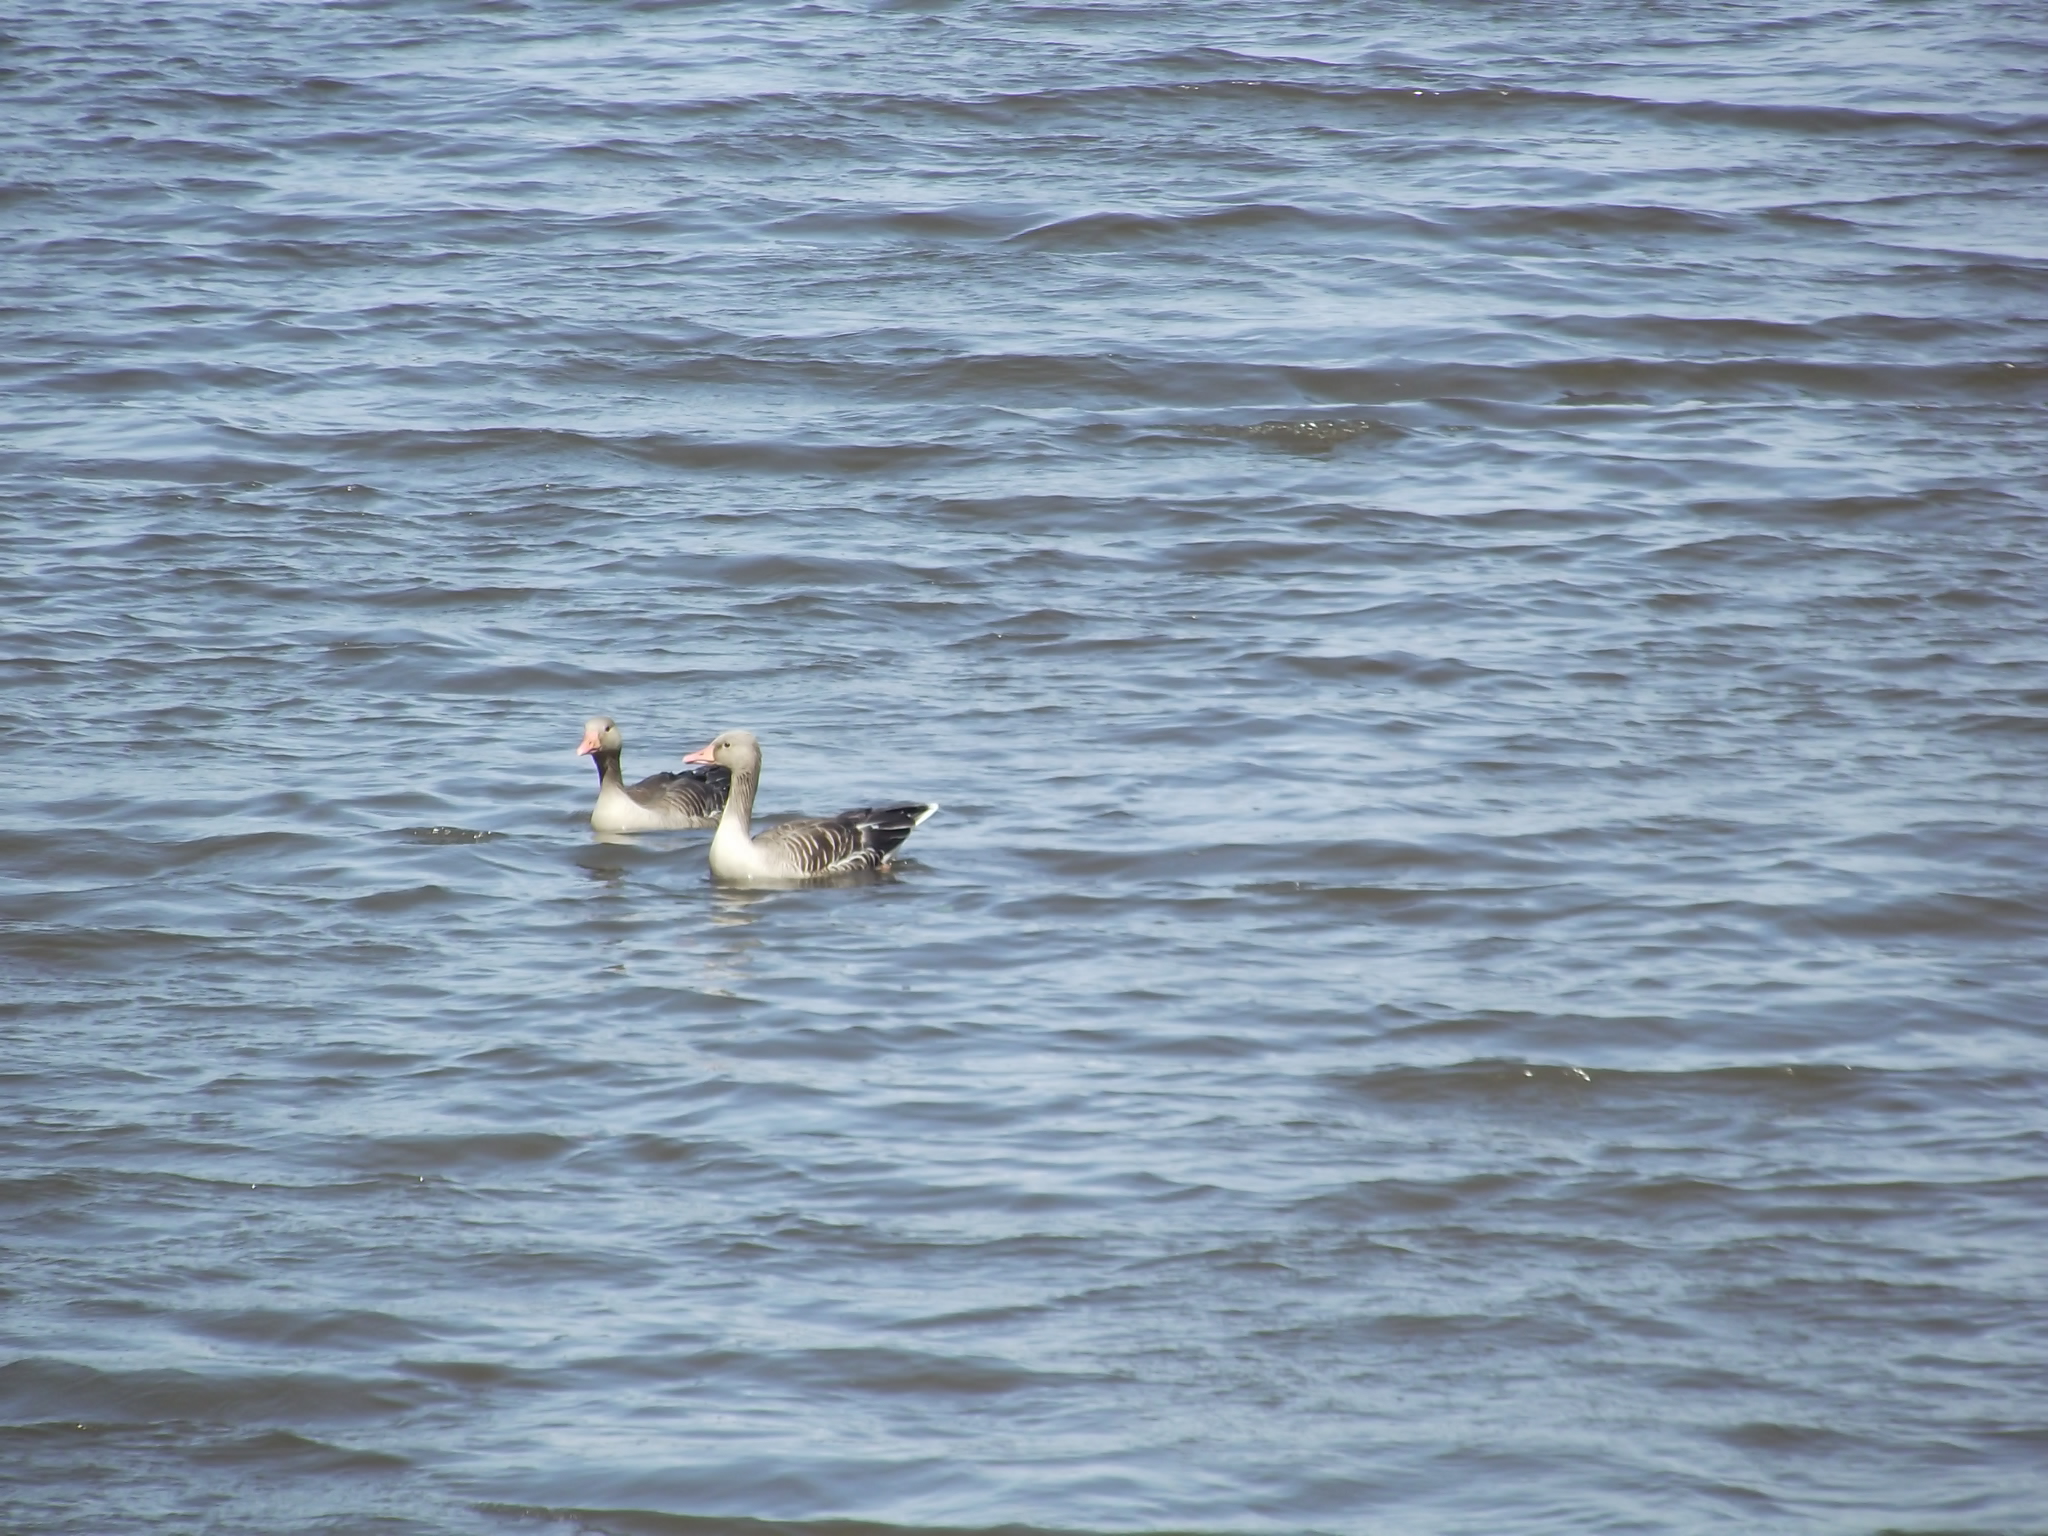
x=662 y=802
x=815 y=848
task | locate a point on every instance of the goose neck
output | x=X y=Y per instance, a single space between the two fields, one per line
x=739 y=799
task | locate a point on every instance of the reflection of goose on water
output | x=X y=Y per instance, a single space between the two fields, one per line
x=662 y=802
x=813 y=848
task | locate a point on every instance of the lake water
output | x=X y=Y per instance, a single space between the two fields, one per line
x=1468 y=578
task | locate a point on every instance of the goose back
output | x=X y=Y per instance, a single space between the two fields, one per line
x=854 y=840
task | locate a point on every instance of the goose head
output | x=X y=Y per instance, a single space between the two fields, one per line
x=739 y=751
x=600 y=735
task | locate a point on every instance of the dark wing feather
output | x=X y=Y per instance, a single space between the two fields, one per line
x=815 y=845
x=693 y=792
x=882 y=828
x=852 y=840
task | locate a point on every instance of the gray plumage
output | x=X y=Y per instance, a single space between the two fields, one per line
x=661 y=802
x=813 y=848
x=858 y=839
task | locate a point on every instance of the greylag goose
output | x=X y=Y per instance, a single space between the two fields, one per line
x=662 y=802
x=814 y=848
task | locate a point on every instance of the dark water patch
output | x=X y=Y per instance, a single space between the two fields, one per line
x=942 y=224
x=646 y=1522
x=476 y=1376
x=35 y=1388
x=1826 y=512
x=54 y=948
x=1802 y=1089
x=126 y=382
x=673 y=1152
x=1801 y=1438
x=540 y=445
x=1754 y=336
x=407 y=899
x=458 y=1152
x=896 y=1370
x=323 y=1330
x=15 y=192
x=1951 y=915
x=1436 y=109
x=1461 y=1330
x=1521 y=223
x=1994 y=724
x=1113 y=230
x=280 y=1449
x=209 y=152
x=188 y=469
x=1306 y=436
x=1572 y=384
x=1425 y=672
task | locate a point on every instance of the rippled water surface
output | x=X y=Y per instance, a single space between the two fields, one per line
x=1467 y=577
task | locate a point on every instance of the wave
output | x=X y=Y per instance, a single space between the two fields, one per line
x=1763 y=1089
x=41 y=1388
x=649 y=1522
x=1434 y=106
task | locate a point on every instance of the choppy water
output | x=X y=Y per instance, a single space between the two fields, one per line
x=1467 y=577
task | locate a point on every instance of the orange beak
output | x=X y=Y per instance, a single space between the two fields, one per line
x=590 y=744
x=701 y=755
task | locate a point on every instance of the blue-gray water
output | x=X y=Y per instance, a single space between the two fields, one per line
x=1468 y=577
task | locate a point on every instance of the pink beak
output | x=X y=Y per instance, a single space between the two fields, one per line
x=701 y=755
x=590 y=745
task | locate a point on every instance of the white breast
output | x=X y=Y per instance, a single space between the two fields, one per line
x=617 y=811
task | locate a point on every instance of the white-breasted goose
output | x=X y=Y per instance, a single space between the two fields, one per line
x=662 y=802
x=814 y=848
